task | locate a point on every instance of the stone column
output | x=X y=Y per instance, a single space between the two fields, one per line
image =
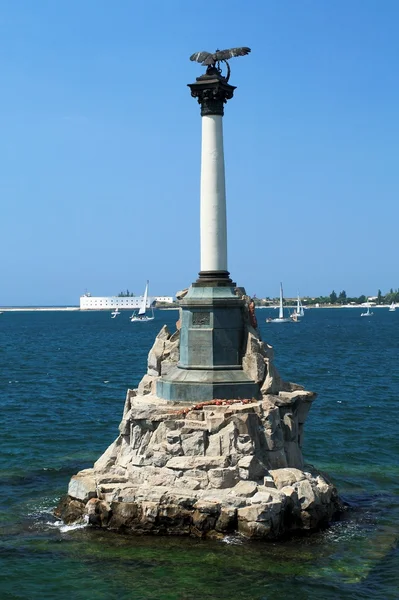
x=212 y=333
x=212 y=92
x=213 y=197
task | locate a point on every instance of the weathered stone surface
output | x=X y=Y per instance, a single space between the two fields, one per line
x=70 y=510
x=254 y=366
x=206 y=469
x=98 y=511
x=223 y=478
x=250 y=467
x=193 y=444
x=288 y=476
x=146 y=385
x=245 y=488
x=83 y=486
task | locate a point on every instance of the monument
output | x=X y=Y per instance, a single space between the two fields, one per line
x=210 y=443
x=212 y=315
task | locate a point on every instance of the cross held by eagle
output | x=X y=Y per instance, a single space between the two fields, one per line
x=212 y=61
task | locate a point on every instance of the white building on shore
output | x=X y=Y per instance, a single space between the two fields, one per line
x=89 y=302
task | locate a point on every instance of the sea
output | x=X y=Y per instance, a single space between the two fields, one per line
x=63 y=381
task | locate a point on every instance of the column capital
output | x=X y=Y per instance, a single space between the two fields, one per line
x=212 y=92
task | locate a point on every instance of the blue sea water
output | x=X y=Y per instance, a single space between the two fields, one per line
x=63 y=379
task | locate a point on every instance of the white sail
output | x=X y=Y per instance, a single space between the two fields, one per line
x=299 y=307
x=281 y=311
x=143 y=306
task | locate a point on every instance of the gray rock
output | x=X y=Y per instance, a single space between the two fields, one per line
x=287 y=476
x=146 y=385
x=223 y=478
x=254 y=366
x=83 y=486
x=155 y=356
x=193 y=444
x=250 y=467
x=164 y=334
x=245 y=488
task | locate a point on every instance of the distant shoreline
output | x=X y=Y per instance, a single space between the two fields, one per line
x=4 y=309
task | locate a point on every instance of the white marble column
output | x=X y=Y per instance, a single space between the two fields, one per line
x=213 y=196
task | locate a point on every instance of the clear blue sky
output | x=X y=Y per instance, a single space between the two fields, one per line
x=100 y=146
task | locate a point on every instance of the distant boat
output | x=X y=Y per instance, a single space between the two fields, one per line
x=367 y=313
x=115 y=313
x=299 y=312
x=281 y=318
x=141 y=315
x=392 y=308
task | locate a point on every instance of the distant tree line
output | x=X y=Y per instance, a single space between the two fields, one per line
x=340 y=299
x=126 y=294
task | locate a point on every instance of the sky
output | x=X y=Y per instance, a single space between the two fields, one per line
x=100 y=146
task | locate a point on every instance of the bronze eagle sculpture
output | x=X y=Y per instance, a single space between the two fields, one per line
x=209 y=60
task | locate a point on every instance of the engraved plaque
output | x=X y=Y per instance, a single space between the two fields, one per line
x=201 y=318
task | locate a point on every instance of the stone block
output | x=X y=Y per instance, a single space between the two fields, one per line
x=306 y=494
x=155 y=356
x=191 y=425
x=254 y=530
x=286 y=476
x=254 y=512
x=324 y=489
x=250 y=467
x=195 y=415
x=245 y=488
x=214 y=447
x=166 y=366
x=164 y=334
x=146 y=385
x=174 y=449
x=245 y=445
x=227 y=519
x=83 y=486
x=254 y=366
x=193 y=444
x=271 y=436
x=290 y=493
x=223 y=478
x=261 y=497
x=149 y=512
x=108 y=459
x=214 y=422
x=98 y=511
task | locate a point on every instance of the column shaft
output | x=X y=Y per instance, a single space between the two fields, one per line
x=213 y=196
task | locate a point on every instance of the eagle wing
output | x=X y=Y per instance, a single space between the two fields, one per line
x=226 y=54
x=200 y=56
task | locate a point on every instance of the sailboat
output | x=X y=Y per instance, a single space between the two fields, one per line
x=115 y=313
x=281 y=318
x=367 y=313
x=392 y=308
x=141 y=315
x=299 y=312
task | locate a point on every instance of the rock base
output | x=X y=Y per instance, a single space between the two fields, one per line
x=211 y=469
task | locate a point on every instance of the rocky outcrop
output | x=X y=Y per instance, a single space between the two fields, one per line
x=209 y=469
x=205 y=470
